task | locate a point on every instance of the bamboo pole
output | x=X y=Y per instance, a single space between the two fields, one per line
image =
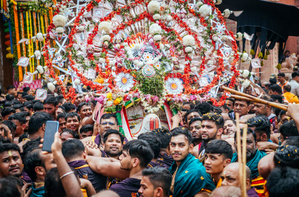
x=254 y=99
x=244 y=142
x=239 y=151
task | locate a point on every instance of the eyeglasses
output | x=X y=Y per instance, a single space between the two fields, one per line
x=106 y=123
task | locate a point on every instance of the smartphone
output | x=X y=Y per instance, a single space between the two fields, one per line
x=51 y=129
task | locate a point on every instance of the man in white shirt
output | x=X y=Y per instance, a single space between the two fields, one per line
x=294 y=83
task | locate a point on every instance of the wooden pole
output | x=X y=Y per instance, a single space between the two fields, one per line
x=254 y=99
x=244 y=142
x=239 y=151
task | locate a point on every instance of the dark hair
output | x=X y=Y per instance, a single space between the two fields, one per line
x=215 y=117
x=38 y=106
x=37 y=120
x=281 y=75
x=203 y=107
x=61 y=115
x=9 y=97
x=164 y=135
x=28 y=105
x=283 y=181
x=81 y=105
x=17 y=106
x=249 y=131
x=86 y=128
x=15 y=101
x=272 y=81
x=189 y=103
x=295 y=74
x=182 y=131
x=60 y=106
x=32 y=160
x=191 y=111
x=108 y=116
x=18 y=116
x=194 y=120
x=275 y=88
x=7 y=110
x=29 y=97
x=68 y=107
x=10 y=87
x=152 y=139
x=139 y=149
x=30 y=146
x=59 y=99
x=232 y=100
x=287 y=155
x=8 y=146
x=7 y=189
x=292 y=140
x=113 y=131
x=22 y=137
x=287 y=88
x=276 y=97
x=261 y=123
x=288 y=129
x=70 y=131
x=50 y=100
x=159 y=177
x=220 y=147
x=26 y=89
x=72 y=148
x=7 y=104
x=53 y=185
x=11 y=125
x=72 y=114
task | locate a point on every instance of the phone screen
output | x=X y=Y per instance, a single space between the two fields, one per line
x=51 y=129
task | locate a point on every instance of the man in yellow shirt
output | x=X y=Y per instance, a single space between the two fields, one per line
x=290 y=97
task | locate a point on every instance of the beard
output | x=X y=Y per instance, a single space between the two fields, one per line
x=113 y=153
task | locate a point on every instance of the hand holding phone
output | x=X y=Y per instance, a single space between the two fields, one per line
x=51 y=129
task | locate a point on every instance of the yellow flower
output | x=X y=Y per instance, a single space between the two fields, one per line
x=117 y=101
x=109 y=96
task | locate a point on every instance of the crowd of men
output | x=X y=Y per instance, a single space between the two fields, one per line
x=196 y=157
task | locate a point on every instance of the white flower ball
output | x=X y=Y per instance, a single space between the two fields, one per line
x=193 y=69
x=157 y=16
x=157 y=37
x=246 y=83
x=59 y=20
x=104 y=26
x=48 y=4
x=239 y=36
x=245 y=73
x=188 y=49
x=155 y=29
x=188 y=40
x=59 y=30
x=198 y=4
x=39 y=36
x=106 y=37
x=102 y=60
x=210 y=62
x=40 y=69
x=215 y=38
x=226 y=13
x=77 y=81
x=81 y=28
x=51 y=86
x=37 y=54
x=205 y=10
x=244 y=56
x=153 y=6
x=168 y=18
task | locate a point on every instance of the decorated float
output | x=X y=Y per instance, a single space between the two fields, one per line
x=142 y=58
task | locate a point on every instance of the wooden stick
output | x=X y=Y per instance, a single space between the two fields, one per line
x=239 y=150
x=240 y=97
x=258 y=100
x=244 y=142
